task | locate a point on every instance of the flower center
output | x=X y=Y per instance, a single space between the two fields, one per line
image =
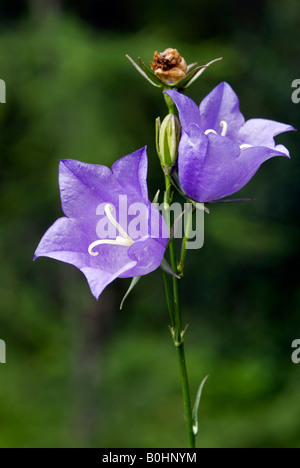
x=224 y=126
x=124 y=239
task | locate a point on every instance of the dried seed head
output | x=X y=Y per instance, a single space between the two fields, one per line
x=169 y=66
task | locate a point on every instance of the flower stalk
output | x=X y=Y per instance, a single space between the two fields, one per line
x=173 y=302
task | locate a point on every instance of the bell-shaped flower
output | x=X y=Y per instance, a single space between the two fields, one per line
x=110 y=228
x=218 y=151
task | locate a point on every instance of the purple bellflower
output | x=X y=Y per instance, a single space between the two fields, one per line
x=101 y=233
x=219 y=152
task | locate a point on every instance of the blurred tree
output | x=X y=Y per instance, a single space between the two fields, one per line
x=71 y=93
x=41 y=8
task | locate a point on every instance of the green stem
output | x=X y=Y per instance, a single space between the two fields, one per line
x=170 y=103
x=169 y=298
x=177 y=332
x=188 y=226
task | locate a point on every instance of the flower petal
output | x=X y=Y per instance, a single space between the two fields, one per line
x=148 y=254
x=131 y=171
x=221 y=104
x=205 y=167
x=188 y=110
x=261 y=132
x=222 y=171
x=68 y=240
x=249 y=162
x=191 y=156
x=83 y=186
x=99 y=279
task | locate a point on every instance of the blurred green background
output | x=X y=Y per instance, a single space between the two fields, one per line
x=81 y=373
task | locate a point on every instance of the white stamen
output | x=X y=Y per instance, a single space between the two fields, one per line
x=224 y=126
x=108 y=210
x=118 y=241
x=210 y=130
x=124 y=240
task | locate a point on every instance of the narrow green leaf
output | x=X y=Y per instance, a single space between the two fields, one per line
x=174 y=227
x=232 y=200
x=191 y=65
x=140 y=70
x=132 y=285
x=200 y=206
x=155 y=199
x=196 y=406
x=168 y=269
x=201 y=70
x=159 y=83
x=183 y=82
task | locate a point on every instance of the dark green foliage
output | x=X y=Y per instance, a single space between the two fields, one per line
x=81 y=373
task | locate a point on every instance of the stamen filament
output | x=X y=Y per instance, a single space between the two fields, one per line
x=210 y=130
x=118 y=241
x=124 y=239
x=245 y=146
x=224 y=126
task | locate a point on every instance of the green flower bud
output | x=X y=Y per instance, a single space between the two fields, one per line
x=168 y=140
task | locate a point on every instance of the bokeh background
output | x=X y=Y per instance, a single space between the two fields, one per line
x=82 y=373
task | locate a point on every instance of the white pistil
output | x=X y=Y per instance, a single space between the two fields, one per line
x=245 y=146
x=124 y=239
x=108 y=210
x=224 y=126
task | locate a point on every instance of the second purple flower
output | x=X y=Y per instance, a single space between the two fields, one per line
x=219 y=152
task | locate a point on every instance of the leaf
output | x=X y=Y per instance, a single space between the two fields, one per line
x=150 y=74
x=196 y=406
x=191 y=65
x=173 y=228
x=183 y=82
x=232 y=200
x=196 y=76
x=168 y=269
x=133 y=283
x=140 y=70
x=155 y=199
x=200 y=206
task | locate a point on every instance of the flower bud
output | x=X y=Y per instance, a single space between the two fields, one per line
x=169 y=66
x=168 y=140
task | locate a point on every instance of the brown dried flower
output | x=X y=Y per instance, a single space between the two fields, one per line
x=169 y=66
